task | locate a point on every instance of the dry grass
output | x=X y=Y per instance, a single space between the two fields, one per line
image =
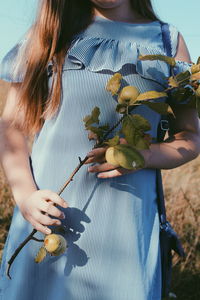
x=6 y=203
x=182 y=190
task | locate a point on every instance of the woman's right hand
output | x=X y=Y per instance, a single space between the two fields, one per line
x=40 y=207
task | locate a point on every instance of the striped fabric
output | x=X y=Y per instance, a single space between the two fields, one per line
x=113 y=226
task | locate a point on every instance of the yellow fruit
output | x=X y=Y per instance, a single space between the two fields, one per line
x=128 y=95
x=40 y=255
x=110 y=157
x=55 y=244
x=62 y=247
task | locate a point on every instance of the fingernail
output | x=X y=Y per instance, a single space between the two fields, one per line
x=58 y=222
x=65 y=204
x=62 y=216
x=48 y=231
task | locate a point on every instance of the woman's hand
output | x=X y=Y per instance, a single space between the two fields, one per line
x=38 y=208
x=105 y=169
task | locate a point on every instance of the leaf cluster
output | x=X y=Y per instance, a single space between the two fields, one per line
x=91 y=121
x=184 y=87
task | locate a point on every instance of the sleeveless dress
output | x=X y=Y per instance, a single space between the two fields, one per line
x=113 y=224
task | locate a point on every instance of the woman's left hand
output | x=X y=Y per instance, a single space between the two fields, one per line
x=104 y=169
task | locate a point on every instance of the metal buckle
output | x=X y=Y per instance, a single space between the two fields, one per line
x=164 y=125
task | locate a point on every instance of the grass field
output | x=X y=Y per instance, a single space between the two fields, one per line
x=182 y=190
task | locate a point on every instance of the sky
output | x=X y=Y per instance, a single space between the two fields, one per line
x=16 y=16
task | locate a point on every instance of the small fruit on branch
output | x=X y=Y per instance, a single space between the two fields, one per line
x=55 y=244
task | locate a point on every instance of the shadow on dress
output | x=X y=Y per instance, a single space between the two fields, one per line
x=74 y=217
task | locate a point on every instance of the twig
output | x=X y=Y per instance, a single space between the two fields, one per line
x=81 y=163
x=30 y=237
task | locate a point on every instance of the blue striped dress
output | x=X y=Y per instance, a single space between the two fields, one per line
x=112 y=224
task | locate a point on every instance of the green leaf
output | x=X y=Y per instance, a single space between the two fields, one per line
x=142 y=143
x=113 y=142
x=93 y=118
x=183 y=78
x=140 y=122
x=195 y=76
x=182 y=94
x=133 y=127
x=151 y=95
x=195 y=68
x=172 y=81
x=99 y=131
x=160 y=107
x=114 y=84
x=41 y=255
x=128 y=129
x=198 y=92
x=169 y=60
x=128 y=157
x=121 y=108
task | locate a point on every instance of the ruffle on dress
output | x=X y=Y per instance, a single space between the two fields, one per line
x=98 y=49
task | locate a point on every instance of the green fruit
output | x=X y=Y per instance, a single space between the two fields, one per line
x=128 y=95
x=128 y=157
x=55 y=244
x=110 y=156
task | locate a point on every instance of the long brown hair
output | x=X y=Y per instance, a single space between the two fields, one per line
x=48 y=40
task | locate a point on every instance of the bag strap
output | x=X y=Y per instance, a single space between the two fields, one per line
x=163 y=126
x=166 y=37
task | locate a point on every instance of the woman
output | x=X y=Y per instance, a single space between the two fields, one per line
x=112 y=220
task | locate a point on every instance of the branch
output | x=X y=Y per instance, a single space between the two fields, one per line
x=82 y=162
x=21 y=246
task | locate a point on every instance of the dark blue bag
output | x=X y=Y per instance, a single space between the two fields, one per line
x=169 y=239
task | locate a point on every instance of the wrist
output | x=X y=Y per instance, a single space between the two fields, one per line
x=147 y=154
x=22 y=194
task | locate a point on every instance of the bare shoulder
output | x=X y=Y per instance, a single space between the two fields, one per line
x=182 y=50
x=12 y=103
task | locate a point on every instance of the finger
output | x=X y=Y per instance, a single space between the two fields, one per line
x=97 y=152
x=94 y=159
x=101 y=168
x=49 y=195
x=50 y=209
x=40 y=227
x=46 y=220
x=115 y=173
x=123 y=141
x=92 y=136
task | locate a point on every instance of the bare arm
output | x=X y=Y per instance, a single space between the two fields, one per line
x=14 y=157
x=14 y=151
x=184 y=146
